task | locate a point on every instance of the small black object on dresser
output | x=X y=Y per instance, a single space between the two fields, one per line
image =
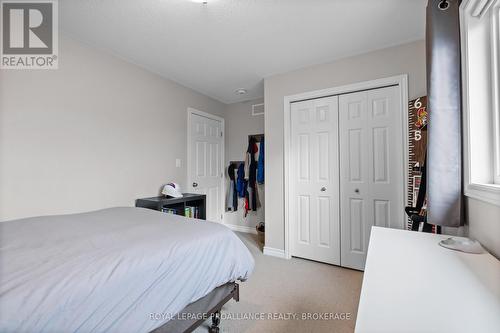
x=177 y=205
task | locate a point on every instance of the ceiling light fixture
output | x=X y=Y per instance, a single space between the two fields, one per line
x=240 y=91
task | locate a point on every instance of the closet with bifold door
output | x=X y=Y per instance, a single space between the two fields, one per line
x=346 y=173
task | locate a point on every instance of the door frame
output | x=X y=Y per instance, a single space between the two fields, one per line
x=190 y=112
x=399 y=80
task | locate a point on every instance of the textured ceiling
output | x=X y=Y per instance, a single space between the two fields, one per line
x=229 y=44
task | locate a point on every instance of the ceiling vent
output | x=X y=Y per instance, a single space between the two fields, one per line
x=258 y=109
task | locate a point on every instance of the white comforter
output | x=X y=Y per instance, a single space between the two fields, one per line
x=111 y=270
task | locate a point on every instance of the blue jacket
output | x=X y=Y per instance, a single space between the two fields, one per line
x=260 y=165
x=241 y=184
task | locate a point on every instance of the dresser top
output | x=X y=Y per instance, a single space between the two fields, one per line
x=185 y=197
x=413 y=284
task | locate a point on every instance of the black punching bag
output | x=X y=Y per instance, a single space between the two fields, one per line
x=444 y=152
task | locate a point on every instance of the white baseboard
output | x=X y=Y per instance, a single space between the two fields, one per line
x=241 y=228
x=269 y=251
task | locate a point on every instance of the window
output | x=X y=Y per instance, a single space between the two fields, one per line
x=480 y=28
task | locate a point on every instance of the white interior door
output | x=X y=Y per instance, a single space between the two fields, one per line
x=314 y=173
x=205 y=174
x=371 y=168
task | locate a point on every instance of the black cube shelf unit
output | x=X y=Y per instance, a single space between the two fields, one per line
x=188 y=199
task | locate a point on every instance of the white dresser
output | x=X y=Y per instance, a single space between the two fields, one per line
x=411 y=284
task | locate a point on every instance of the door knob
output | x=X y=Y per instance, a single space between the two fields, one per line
x=356 y=190
x=195 y=184
x=323 y=189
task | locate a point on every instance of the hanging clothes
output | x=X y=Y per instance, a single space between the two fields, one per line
x=250 y=155
x=247 y=165
x=252 y=186
x=248 y=200
x=251 y=173
x=232 y=197
x=260 y=163
x=241 y=184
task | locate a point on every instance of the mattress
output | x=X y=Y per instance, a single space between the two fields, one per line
x=113 y=270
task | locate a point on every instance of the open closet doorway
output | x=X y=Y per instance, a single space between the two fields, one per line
x=244 y=121
x=205 y=158
x=345 y=169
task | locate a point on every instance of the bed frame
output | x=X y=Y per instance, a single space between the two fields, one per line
x=210 y=305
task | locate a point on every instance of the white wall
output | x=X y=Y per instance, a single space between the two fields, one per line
x=97 y=132
x=408 y=58
x=239 y=125
x=484 y=224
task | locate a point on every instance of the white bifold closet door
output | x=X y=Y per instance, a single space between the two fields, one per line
x=371 y=169
x=346 y=174
x=314 y=172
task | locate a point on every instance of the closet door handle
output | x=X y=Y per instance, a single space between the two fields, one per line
x=195 y=184
x=323 y=189
x=356 y=190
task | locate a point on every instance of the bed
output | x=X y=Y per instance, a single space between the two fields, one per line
x=115 y=270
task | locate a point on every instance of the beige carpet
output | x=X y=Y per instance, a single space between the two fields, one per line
x=296 y=286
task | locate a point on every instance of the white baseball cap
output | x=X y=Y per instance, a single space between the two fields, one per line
x=172 y=190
